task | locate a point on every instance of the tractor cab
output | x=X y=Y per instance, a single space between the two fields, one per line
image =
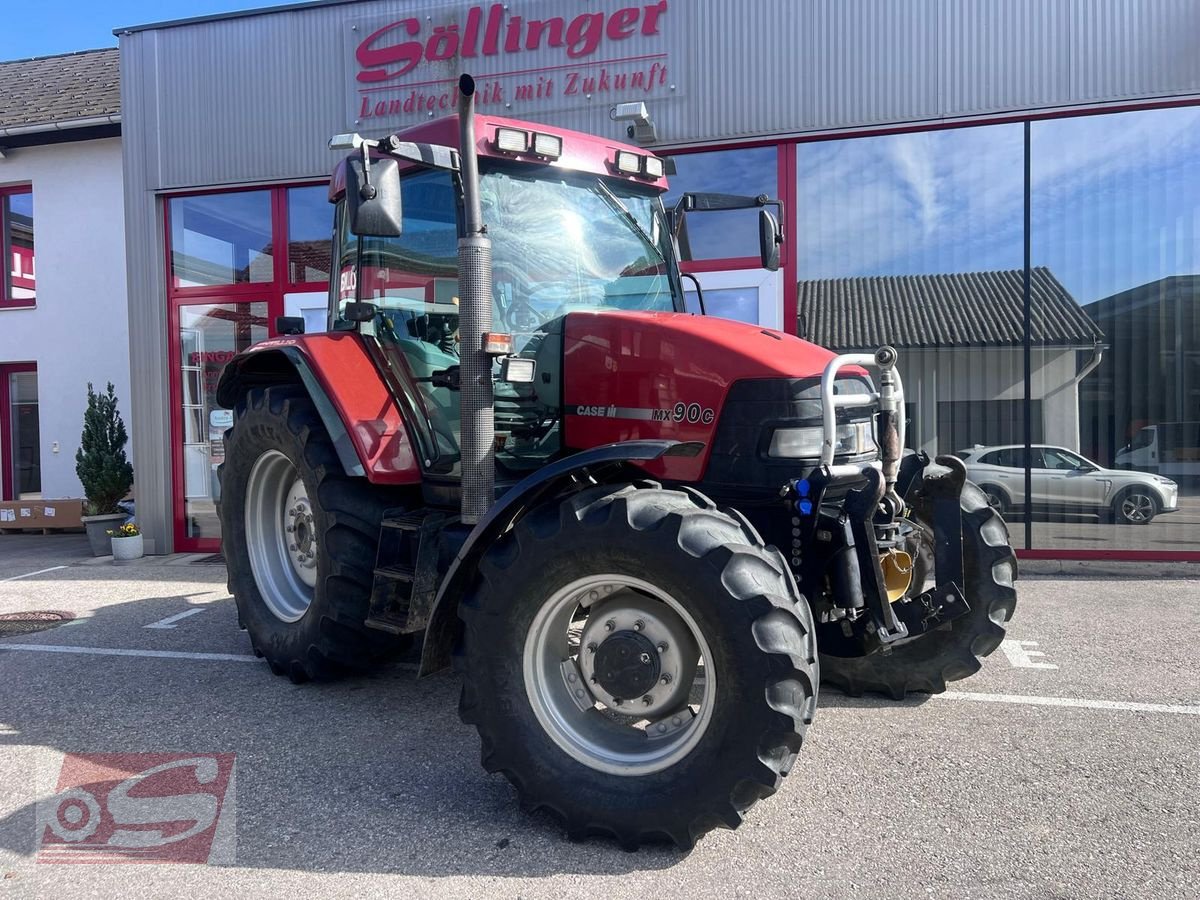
x=577 y=225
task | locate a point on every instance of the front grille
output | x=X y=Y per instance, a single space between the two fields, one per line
x=753 y=409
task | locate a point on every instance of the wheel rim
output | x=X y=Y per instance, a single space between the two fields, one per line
x=995 y=501
x=567 y=680
x=281 y=536
x=1137 y=508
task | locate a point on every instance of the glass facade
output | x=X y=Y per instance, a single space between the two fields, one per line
x=309 y=234
x=1116 y=215
x=721 y=248
x=239 y=259
x=733 y=233
x=1090 y=439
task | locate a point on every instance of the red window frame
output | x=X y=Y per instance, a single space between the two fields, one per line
x=7 y=487
x=272 y=292
x=7 y=275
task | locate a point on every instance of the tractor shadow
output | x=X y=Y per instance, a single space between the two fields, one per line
x=832 y=698
x=369 y=774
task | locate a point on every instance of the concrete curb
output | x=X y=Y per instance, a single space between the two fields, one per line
x=1106 y=568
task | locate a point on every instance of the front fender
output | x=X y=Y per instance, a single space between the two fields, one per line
x=599 y=463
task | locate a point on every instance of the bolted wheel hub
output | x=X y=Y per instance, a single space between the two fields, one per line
x=638 y=655
x=301 y=531
x=627 y=665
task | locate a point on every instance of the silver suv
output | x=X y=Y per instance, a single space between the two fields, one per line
x=1064 y=481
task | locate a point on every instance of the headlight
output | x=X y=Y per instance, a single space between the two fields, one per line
x=1162 y=480
x=805 y=443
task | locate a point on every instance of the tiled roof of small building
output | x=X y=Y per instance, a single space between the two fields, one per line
x=50 y=89
x=968 y=309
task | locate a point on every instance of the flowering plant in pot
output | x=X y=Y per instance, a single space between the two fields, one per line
x=127 y=542
x=103 y=468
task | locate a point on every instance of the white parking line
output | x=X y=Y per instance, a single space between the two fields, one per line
x=31 y=574
x=169 y=621
x=1027 y=700
x=148 y=654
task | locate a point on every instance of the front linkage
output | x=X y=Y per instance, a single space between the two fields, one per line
x=848 y=527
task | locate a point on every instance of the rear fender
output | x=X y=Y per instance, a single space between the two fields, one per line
x=285 y=365
x=355 y=405
x=610 y=463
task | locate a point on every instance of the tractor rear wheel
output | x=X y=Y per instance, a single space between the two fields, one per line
x=953 y=651
x=637 y=663
x=299 y=538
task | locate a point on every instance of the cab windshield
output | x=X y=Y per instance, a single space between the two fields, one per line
x=566 y=244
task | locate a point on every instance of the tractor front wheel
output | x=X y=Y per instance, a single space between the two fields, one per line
x=638 y=664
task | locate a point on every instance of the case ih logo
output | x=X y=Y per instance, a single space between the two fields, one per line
x=139 y=808
x=411 y=66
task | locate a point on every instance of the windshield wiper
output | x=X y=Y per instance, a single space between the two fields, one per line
x=623 y=211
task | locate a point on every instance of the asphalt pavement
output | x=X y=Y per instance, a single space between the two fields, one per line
x=1068 y=767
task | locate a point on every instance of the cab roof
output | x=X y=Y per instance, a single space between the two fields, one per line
x=587 y=153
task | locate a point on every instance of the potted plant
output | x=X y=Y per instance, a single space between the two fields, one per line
x=103 y=468
x=126 y=542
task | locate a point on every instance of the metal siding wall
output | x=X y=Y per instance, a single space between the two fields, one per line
x=1133 y=48
x=253 y=98
x=870 y=63
x=149 y=394
x=1002 y=55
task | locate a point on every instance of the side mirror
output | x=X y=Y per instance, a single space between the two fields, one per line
x=768 y=240
x=373 y=200
x=289 y=325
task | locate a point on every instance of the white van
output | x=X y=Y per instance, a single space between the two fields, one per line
x=1172 y=448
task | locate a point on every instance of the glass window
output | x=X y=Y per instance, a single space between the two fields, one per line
x=1116 y=329
x=1054 y=458
x=310 y=230
x=221 y=239
x=730 y=234
x=19 y=284
x=209 y=336
x=915 y=240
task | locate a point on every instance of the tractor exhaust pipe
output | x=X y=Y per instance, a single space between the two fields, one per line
x=477 y=403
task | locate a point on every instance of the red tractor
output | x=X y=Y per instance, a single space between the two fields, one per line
x=642 y=536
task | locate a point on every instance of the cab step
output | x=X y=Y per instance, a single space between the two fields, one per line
x=406 y=571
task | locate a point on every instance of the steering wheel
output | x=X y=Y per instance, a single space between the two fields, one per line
x=522 y=318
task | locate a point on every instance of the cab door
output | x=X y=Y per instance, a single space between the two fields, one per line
x=413 y=282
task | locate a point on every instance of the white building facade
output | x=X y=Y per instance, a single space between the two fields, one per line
x=63 y=302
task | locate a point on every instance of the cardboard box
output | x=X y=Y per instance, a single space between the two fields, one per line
x=41 y=514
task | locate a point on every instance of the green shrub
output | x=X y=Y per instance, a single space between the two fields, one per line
x=100 y=461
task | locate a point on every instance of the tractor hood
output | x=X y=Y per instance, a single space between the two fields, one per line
x=641 y=375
